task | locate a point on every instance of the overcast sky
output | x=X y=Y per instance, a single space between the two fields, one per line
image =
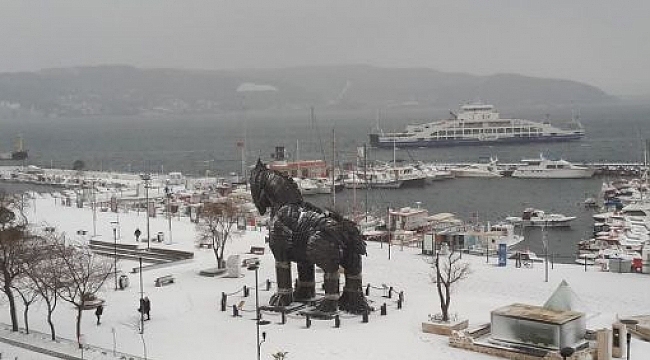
x=603 y=43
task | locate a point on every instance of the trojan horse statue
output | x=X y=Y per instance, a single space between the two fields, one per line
x=303 y=233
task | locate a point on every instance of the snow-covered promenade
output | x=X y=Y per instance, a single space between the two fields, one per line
x=186 y=321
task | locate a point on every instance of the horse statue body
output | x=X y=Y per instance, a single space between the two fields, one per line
x=302 y=233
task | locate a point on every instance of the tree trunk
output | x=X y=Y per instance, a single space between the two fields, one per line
x=78 y=326
x=25 y=318
x=12 y=304
x=51 y=323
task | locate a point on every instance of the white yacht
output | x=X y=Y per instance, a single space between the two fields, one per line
x=544 y=168
x=535 y=217
x=489 y=170
x=476 y=124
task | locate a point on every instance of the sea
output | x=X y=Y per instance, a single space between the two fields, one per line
x=197 y=145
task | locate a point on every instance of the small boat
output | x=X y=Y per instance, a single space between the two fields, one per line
x=536 y=217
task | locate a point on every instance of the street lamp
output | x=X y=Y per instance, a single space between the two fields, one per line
x=545 y=241
x=168 y=193
x=114 y=225
x=147 y=178
x=141 y=298
x=255 y=267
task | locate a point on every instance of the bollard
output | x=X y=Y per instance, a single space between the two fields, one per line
x=399 y=304
x=284 y=317
x=308 y=321
x=368 y=290
x=390 y=292
x=224 y=299
x=235 y=311
x=268 y=284
x=383 y=309
x=337 y=321
x=364 y=317
x=245 y=291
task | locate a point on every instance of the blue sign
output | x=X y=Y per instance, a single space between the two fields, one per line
x=503 y=254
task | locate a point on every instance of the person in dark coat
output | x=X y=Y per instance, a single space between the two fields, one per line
x=98 y=312
x=146 y=307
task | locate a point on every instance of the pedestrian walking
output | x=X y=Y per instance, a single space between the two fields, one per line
x=146 y=307
x=98 y=312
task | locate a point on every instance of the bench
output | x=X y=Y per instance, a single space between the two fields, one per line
x=249 y=261
x=256 y=250
x=164 y=280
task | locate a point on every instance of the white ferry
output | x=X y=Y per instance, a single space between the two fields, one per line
x=476 y=124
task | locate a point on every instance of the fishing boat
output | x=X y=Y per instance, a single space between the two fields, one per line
x=476 y=124
x=544 y=168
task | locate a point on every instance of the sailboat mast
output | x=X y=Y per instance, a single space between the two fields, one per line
x=333 y=205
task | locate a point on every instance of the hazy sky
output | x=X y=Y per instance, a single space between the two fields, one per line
x=603 y=43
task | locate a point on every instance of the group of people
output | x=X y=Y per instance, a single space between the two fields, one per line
x=145 y=309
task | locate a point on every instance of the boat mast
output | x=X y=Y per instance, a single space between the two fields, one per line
x=333 y=204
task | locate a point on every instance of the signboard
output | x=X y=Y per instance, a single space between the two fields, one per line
x=503 y=254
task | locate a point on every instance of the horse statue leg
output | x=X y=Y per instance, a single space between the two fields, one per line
x=353 y=299
x=278 y=239
x=306 y=288
x=330 y=303
x=284 y=295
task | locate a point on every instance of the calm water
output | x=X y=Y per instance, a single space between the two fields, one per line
x=194 y=144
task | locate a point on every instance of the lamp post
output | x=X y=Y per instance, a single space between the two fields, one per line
x=147 y=178
x=168 y=193
x=545 y=242
x=255 y=267
x=141 y=299
x=114 y=225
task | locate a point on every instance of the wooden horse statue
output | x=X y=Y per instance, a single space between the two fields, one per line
x=303 y=233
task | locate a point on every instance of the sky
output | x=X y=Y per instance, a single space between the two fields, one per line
x=186 y=322
x=599 y=42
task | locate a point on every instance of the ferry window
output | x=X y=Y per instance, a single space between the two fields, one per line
x=517 y=130
x=467 y=131
x=500 y=130
x=459 y=132
x=474 y=131
x=508 y=130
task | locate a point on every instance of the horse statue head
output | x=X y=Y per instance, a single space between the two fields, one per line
x=271 y=189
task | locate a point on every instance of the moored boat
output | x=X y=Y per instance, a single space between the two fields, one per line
x=544 y=168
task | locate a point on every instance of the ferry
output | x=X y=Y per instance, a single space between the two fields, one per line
x=476 y=124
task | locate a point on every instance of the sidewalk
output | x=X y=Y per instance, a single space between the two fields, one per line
x=61 y=348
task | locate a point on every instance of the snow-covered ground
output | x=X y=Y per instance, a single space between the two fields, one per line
x=186 y=321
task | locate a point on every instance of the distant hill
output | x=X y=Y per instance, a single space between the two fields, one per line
x=124 y=90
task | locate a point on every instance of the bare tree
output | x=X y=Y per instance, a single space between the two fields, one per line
x=45 y=274
x=13 y=232
x=215 y=225
x=28 y=293
x=83 y=276
x=449 y=270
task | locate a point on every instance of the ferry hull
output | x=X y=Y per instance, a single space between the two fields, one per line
x=378 y=142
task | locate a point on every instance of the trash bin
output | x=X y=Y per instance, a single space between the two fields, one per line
x=160 y=237
x=123 y=282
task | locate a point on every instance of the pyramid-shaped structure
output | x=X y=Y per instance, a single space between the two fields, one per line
x=562 y=299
